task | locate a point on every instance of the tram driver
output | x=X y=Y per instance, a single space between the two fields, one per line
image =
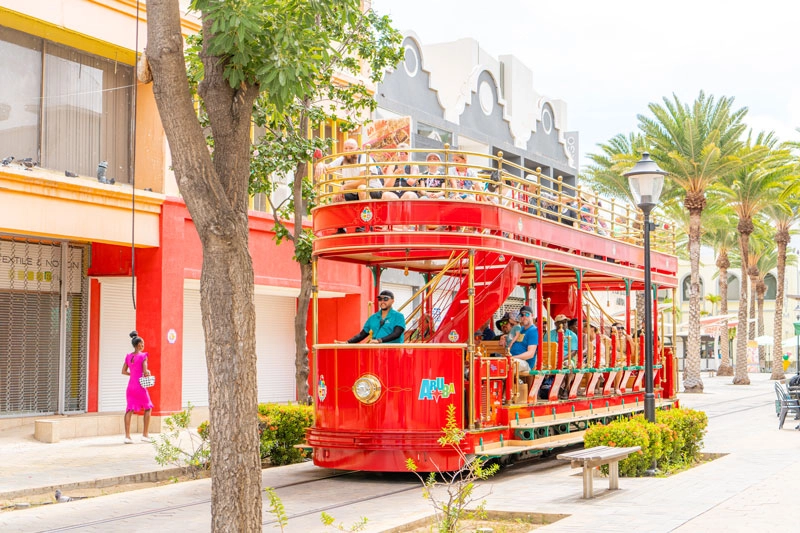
x=387 y=325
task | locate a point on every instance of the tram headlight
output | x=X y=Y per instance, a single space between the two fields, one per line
x=367 y=389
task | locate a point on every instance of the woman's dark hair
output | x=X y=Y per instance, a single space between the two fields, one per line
x=135 y=338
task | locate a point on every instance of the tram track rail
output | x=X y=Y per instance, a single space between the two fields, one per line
x=204 y=501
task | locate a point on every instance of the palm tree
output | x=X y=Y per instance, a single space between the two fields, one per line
x=782 y=215
x=697 y=144
x=719 y=236
x=748 y=189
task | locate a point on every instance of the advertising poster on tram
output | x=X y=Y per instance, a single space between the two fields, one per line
x=387 y=133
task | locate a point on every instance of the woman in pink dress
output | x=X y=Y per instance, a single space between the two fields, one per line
x=135 y=366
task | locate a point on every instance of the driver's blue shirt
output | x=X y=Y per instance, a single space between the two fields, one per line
x=381 y=327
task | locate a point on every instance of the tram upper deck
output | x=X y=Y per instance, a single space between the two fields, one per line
x=416 y=222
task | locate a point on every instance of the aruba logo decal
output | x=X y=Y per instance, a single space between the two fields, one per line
x=433 y=389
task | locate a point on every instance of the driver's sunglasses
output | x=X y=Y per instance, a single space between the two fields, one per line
x=525 y=314
x=383 y=298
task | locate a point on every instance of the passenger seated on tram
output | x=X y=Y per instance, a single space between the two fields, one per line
x=396 y=176
x=387 y=325
x=591 y=349
x=570 y=339
x=524 y=346
x=432 y=187
x=423 y=331
x=459 y=171
x=353 y=189
x=508 y=325
x=486 y=332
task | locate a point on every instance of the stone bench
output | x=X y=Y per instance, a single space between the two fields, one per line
x=590 y=458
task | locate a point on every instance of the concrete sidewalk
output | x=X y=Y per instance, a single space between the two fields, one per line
x=752 y=487
x=30 y=467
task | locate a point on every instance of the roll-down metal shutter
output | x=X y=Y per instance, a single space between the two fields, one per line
x=117 y=320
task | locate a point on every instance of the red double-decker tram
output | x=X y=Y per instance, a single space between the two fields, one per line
x=475 y=241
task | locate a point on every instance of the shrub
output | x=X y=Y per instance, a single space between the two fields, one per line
x=280 y=428
x=690 y=428
x=673 y=441
x=179 y=446
x=622 y=434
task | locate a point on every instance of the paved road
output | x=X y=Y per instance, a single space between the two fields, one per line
x=752 y=488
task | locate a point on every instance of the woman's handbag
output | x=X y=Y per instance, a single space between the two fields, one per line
x=147 y=381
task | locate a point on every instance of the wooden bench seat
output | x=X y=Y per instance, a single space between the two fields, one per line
x=590 y=458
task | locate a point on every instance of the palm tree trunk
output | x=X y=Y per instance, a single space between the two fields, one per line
x=777 y=325
x=692 y=382
x=751 y=318
x=740 y=376
x=762 y=350
x=725 y=367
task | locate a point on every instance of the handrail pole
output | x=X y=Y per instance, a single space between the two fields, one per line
x=471 y=336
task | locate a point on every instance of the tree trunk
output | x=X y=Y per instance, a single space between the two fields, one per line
x=740 y=376
x=216 y=194
x=762 y=351
x=301 y=334
x=781 y=238
x=725 y=368
x=751 y=317
x=692 y=381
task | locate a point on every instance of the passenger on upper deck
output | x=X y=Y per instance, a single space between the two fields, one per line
x=525 y=345
x=358 y=187
x=460 y=170
x=396 y=176
x=387 y=325
x=433 y=187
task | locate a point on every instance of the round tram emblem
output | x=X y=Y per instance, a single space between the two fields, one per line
x=366 y=214
x=322 y=389
x=519 y=224
x=502 y=258
x=453 y=335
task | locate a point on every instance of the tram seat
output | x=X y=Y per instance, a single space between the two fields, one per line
x=494 y=348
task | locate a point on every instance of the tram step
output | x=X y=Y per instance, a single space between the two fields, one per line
x=511 y=447
x=600 y=411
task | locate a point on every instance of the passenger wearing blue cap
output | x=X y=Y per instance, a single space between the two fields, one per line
x=526 y=342
x=387 y=325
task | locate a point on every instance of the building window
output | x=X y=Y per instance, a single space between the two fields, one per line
x=772 y=287
x=67 y=109
x=733 y=288
x=687 y=288
x=435 y=134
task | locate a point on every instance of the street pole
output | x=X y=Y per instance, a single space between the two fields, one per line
x=649 y=396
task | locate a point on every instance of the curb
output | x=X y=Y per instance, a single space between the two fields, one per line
x=142 y=477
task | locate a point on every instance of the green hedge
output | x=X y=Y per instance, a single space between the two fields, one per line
x=672 y=442
x=280 y=427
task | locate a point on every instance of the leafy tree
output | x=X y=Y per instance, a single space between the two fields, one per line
x=280 y=52
x=697 y=144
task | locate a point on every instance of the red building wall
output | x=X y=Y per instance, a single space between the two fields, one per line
x=159 y=293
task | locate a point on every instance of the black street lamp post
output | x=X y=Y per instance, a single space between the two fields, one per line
x=646 y=180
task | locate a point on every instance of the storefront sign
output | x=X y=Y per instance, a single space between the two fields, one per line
x=37 y=267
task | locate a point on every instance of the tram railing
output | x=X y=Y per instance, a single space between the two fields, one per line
x=396 y=173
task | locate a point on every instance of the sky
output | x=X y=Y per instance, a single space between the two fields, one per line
x=609 y=59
